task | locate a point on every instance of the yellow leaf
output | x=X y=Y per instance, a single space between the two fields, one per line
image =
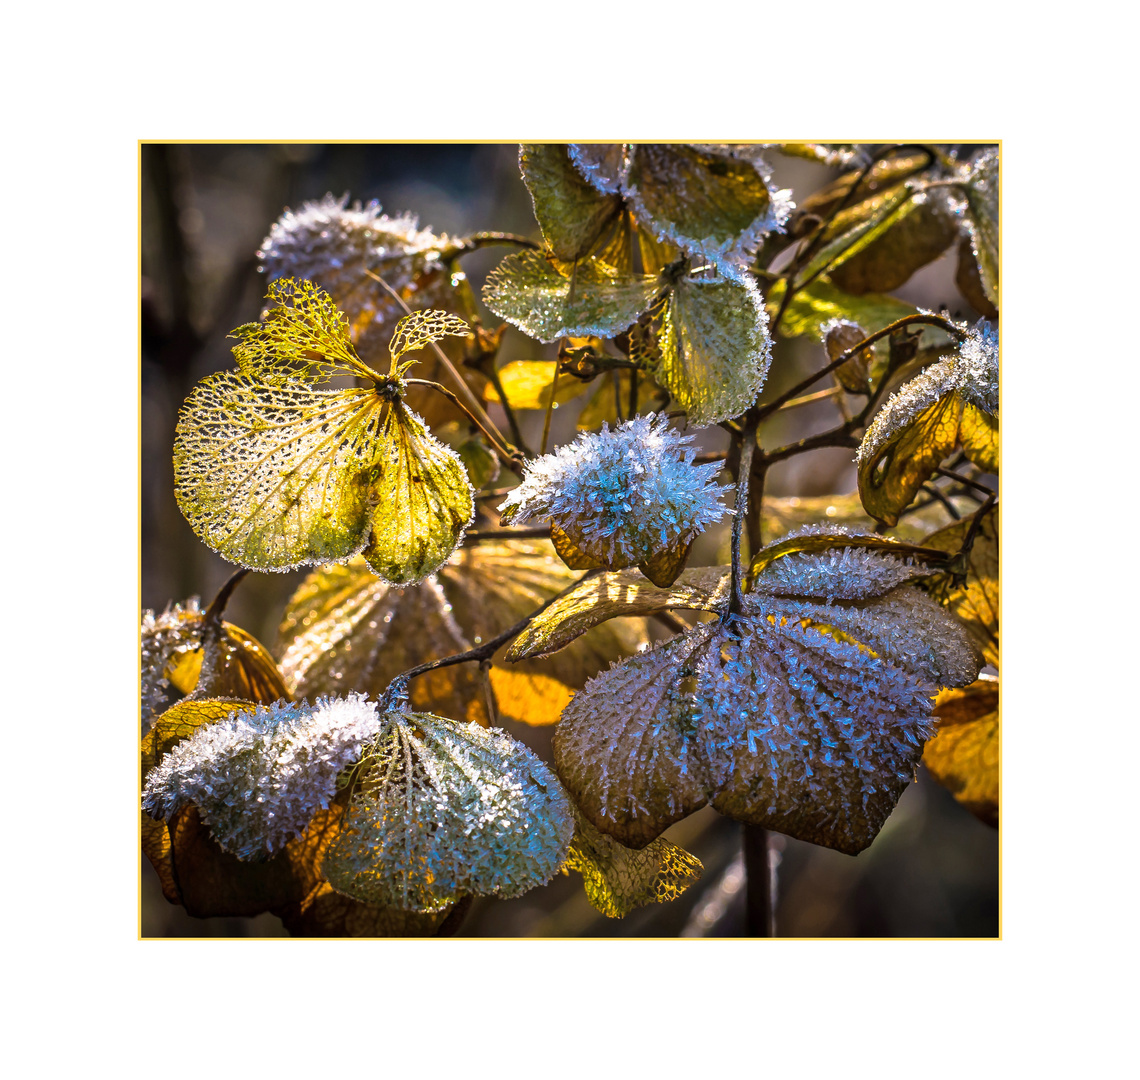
x=527 y=384
x=965 y=755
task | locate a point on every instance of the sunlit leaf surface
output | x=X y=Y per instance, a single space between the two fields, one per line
x=440 y=809
x=527 y=384
x=982 y=199
x=571 y=212
x=344 y=629
x=549 y=301
x=715 y=348
x=965 y=755
x=618 y=879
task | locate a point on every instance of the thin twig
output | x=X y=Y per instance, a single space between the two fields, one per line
x=477 y=536
x=511 y=455
x=747 y=448
x=951 y=509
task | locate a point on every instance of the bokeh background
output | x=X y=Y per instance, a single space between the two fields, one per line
x=205 y=208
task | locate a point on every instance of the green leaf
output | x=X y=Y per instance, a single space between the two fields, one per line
x=422 y=498
x=618 y=879
x=712 y=202
x=618 y=593
x=549 y=301
x=715 y=348
x=570 y=211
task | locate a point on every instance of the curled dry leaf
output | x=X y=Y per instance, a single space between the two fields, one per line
x=344 y=628
x=965 y=755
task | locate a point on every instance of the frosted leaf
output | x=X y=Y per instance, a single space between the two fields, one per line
x=326 y=913
x=621 y=593
x=842 y=573
x=546 y=301
x=618 y=879
x=965 y=754
x=714 y=203
x=443 y=809
x=571 y=213
x=715 y=348
x=344 y=628
x=180 y=657
x=603 y=164
x=421 y=498
x=981 y=219
x=805 y=717
x=334 y=244
x=922 y=423
x=621 y=496
x=258 y=777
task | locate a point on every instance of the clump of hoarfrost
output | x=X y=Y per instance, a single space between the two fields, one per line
x=971 y=372
x=258 y=777
x=621 y=495
x=165 y=638
x=445 y=808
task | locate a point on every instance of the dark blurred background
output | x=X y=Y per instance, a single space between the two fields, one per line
x=205 y=208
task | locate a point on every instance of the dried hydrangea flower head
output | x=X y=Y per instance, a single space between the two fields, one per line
x=169 y=641
x=258 y=777
x=441 y=809
x=621 y=496
x=807 y=713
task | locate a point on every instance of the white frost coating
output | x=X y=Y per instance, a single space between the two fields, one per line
x=836 y=574
x=603 y=165
x=972 y=371
x=258 y=777
x=622 y=495
x=177 y=630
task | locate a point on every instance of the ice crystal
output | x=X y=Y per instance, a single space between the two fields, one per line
x=258 y=777
x=443 y=809
x=333 y=244
x=806 y=716
x=971 y=373
x=621 y=495
x=166 y=639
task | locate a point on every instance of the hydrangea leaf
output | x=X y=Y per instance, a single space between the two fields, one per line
x=618 y=879
x=304 y=336
x=712 y=202
x=665 y=566
x=175 y=645
x=854 y=374
x=815 y=306
x=326 y=913
x=568 y=551
x=527 y=385
x=968 y=278
x=982 y=202
x=977 y=602
x=549 y=301
x=603 y=164
x=442 y=809
x=338 y=246
x=886 y=174
x=480 y=462
x=782 y=717
x=832 y=154
x=601 y=597
x=978 y=431
x=715 y=348
x=419 y=329
x=344 y=628
x=922 y=423
x=422 y=498
x=965 y=755
x=571 y=212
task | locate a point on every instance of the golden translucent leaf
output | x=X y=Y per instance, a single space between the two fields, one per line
x=570 y=211
x=665 y=566
x=602 y=597
x=421 y=498
x=569 y=552
x=715 y=348
x=275 y=477
x=345 y=629
x=419 y=329
x=326 y=913
x=886 y=174
x=304 y=336
x=527 y=384
x=978 y=431
x=854 y=375
x=965 y=755
x=784 y=515
x=982 y=204
x=977 y=602
x=549 y=300
x=891 y=475
x=618 y=879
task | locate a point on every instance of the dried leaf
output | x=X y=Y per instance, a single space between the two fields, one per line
x=527 y=384
x=887 y=173
x=603 y=406
x=968 y=278
x=548 y=300
x=715 y=348
x=603 y=164
x=327 y=913
x=712 y=202
x=833 y=154
x=782 y=515
x=965 y=755
x=854 y=375
x=419 y=329
x=665 y=566
x=618 y=879
x=982 y=202
x=344 y=628
x=480 y=462
x=441 y=809
x=571 y=213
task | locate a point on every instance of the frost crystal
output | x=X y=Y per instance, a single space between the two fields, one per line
x=444 y=808
x=174 y=634
x=258 y=777
x=621 y=495
x=971 y=372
